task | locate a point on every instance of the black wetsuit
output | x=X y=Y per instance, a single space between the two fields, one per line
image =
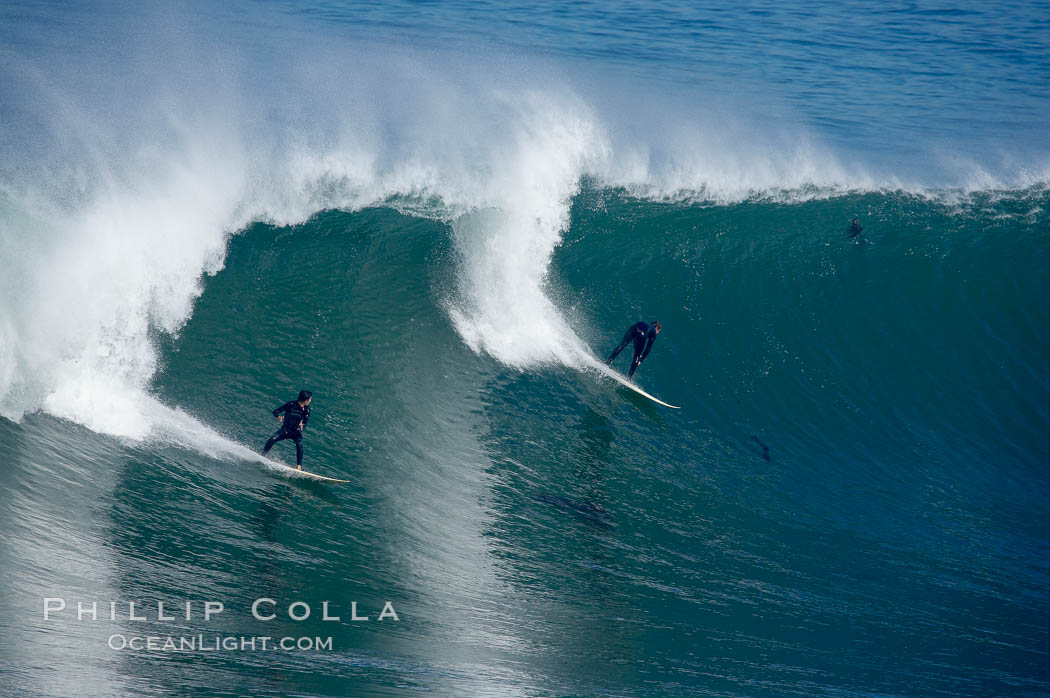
x=643 y=335
x=295 y=418
x=855 y=229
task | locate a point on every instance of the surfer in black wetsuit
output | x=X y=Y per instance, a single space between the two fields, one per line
x=855 y=228
x=293 y=420
x=643 y=335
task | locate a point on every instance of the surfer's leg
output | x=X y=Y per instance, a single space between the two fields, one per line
x=278 y=435
x=626 y=339
x=639 y=347
x=298 y=450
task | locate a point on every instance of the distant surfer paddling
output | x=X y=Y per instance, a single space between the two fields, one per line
x=643 y=334
x=855 y=229
x=293 y=416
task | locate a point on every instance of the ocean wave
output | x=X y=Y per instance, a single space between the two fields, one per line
x=109 y=232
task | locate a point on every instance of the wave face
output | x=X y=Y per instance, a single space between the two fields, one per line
x=202 y=214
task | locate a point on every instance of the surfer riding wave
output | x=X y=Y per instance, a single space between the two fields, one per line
x=293 y=416
x=643 y=334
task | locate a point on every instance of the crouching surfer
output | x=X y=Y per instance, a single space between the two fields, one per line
x=643 y=334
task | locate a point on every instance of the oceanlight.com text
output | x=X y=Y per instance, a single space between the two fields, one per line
x=217 y=643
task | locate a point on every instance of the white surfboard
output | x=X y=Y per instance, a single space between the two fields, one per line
x=294 y=472
x=608 y=372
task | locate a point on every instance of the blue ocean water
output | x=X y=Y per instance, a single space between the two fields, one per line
x=863 y=75
x=439 y=217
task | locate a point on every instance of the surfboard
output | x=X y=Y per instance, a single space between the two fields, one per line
x=608 y=372
x=293 y=472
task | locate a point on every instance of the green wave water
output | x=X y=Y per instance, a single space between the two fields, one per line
x=534 y=526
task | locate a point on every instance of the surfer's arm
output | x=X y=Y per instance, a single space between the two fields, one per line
x=279 y=410
x=648 y=346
